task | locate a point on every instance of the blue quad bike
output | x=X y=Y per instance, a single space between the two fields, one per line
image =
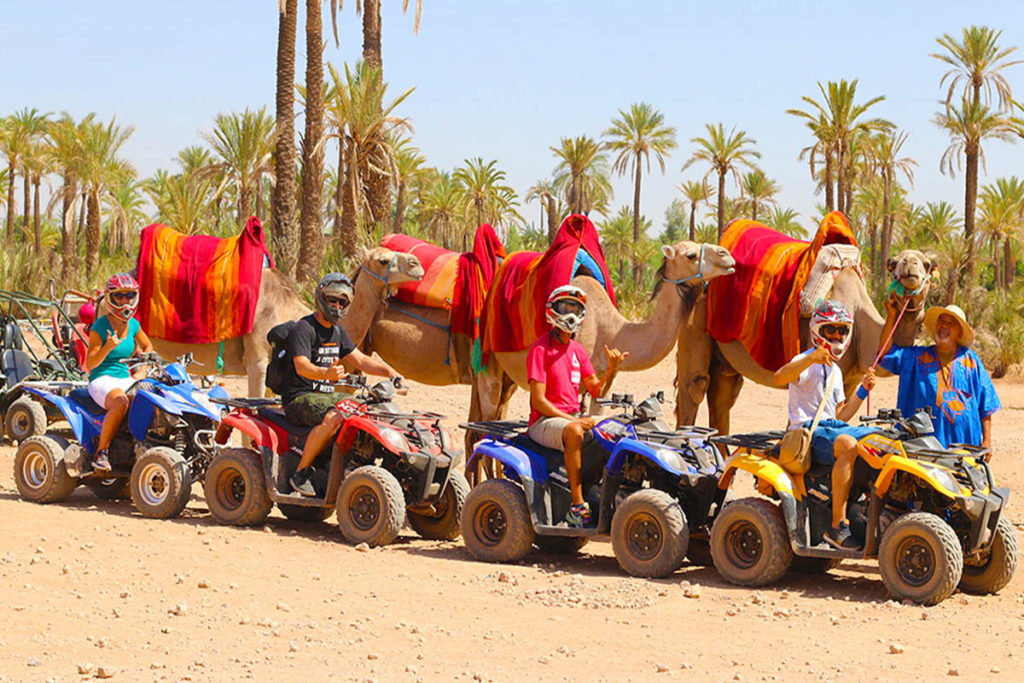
x=650 y=488
x=164 y=444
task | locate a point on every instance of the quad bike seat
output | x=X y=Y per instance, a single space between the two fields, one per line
x=277 y=416
x=10 y=334
x=82 y=398
x=16 y=366
x=593 y=459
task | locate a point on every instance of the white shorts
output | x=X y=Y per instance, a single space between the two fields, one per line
x=547 y=431
x=101 y=386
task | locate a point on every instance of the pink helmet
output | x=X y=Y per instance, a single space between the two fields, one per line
x=122 y=295
x=566 y=307
x=831 y=313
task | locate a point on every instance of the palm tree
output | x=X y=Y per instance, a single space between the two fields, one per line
x=836 y=122
x=408 y=163
x=101 y=170
x=1001 y=208
x=484 y=191
x=969 y=125
x=311 y=229
x=125 y=204
x=725 y=153
x=635 y=135
x=244 y=144
x=283 y=205
x=883 y=157
x=822 y=149
x=695 y=192
x=977 y=63
x=441 y=209
x=582 y=174
x=64 y=149
x=757 y=192
x=617 y=240
x=358 y=100
x=545 y=192
x=182 y=199
x=786 y=221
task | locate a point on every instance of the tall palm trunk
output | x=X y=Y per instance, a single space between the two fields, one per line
x=886 y=237
x=259 y=198
x=28 y=207
x=693 y=221
x=81 y=213
x=11 y=168
x=721 y=204
x=636 y=219
x=841 y=179
x=876 y=270
x=67 y=242
x=1008 y=265
x=378 y=185
x=349 y=219
x=283 y=205
x=830 y=200
x=92 y=233
x=311 y=246
x=339 y=190
x=36 y=180
x=552 y=218
x=970 y=201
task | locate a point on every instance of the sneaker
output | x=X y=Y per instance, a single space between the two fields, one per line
x=579 y=516
x=840 y=537
x=101 y=463
x=301 y=482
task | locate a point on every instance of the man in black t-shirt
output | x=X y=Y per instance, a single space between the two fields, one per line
x=318 y=345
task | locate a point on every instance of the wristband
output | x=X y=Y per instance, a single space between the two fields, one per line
x=862 y=393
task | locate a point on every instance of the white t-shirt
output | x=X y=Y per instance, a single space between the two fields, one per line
x=806 y=392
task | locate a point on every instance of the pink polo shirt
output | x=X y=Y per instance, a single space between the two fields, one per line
x=561 y=367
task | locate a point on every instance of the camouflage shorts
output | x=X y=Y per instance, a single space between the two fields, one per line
x=310 y=408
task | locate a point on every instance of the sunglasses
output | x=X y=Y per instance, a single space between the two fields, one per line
x=836 y=330
x=123 y=297
x=336 y=300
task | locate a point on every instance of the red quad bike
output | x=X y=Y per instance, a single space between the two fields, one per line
x=383 y=465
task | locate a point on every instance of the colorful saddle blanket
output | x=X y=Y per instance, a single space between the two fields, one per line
x=198 y=289
x=513 y=316
x=437 y=288
x=760 y=304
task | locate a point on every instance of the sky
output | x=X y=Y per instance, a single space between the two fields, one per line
x=506 y=80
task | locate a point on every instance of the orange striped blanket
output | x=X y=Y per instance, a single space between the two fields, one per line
x=436 y=289
x=198 y=289
x=760 y=304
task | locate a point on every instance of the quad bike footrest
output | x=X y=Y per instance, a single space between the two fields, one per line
x=569 y=531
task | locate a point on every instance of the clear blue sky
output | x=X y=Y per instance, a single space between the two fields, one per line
x=505 y=80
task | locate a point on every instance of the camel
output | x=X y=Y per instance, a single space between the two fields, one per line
x=279 y=302
x=717 y=369
x=647 y=342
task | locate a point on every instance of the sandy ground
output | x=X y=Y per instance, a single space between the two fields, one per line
x=93 y=589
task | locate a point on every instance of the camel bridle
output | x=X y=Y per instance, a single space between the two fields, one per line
x=387 y=275
x=699 y=275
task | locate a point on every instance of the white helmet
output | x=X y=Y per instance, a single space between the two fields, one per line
x=566 y=307
x=831 y=314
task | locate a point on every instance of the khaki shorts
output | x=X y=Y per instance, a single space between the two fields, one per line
x=309 y=408
x=547 y=431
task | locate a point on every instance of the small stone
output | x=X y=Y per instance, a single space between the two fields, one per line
x=503 y=577
x=85 y=668
x=691 y=592
x=39 y=550
x=267 y=530
x=896 y=648
x=661 y=668
x=362 y=548
x=953 y=672
x=32 y=661
x=995 y=669
x=283 y=607
x=105 y=672
x=543 y=660
x=178 y=610
x=293 y=648
x=372 y=655
x=203 y=584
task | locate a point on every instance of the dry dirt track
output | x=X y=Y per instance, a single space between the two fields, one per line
x=94 y=586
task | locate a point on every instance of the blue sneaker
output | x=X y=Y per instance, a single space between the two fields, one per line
x=579 y=516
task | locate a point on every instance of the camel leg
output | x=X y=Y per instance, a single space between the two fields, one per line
x=723 y=389
x=485 y=404
x=693 y=362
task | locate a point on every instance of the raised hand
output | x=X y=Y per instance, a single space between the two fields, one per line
x=336 y=371
x=615 y=357
x=821 y=355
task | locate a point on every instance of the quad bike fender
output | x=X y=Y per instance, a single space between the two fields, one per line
x=936 y=477
x=72 y=414
x=662 y=458
x=512 y=457
x=355 y=424
x=260 y=432
x=762 y=469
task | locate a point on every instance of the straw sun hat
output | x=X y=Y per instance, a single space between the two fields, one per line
x=931 y=319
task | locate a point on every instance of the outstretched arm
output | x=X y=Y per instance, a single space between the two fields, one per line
x=369 y=364
x=790 y=372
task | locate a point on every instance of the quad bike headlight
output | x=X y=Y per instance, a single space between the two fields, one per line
x=394 y=439
x=672 y=458
x=945 y=479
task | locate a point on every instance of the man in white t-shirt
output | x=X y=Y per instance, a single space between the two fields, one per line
x=834 y=442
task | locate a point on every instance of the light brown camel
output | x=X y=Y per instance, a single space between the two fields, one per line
x=647 y=342
x=717 y=369
x=279 y=302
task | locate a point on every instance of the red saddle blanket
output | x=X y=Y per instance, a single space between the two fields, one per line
x=760 y=304
x=513 y=316
x=198 y=289
x=458 y=282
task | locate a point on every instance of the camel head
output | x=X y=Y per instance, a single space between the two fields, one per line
x=389 y=268
x=911 y=272
x=686 y=261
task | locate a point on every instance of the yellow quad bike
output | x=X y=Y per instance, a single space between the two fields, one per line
x=932 y=516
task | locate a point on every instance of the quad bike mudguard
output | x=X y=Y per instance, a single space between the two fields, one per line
x=259 y=431
x=656 y=456
x=83 y=426
x=140 y=415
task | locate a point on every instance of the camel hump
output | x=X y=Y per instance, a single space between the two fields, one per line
x=831 y=259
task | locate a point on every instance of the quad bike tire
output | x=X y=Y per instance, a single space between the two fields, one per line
x=920 y=558
x=305 y=513
x=649 y=534
x=235 y=489
x=371 y=506
x=39 y=470
x=998 y=569
x=114 y=488
x=445 y=524
x=749 y=542
x=814 y=565
x=25 y=418
x=161 y=483
x=496 y=523
x=560 y=545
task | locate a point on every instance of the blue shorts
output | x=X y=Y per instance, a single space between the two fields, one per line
x=822 y=452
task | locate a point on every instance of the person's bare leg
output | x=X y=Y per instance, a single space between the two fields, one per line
x=845 y=449
x=319 y=437
x=572 y=441
x=116 y=405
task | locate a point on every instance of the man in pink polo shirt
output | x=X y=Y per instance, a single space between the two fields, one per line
x=556 y=366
